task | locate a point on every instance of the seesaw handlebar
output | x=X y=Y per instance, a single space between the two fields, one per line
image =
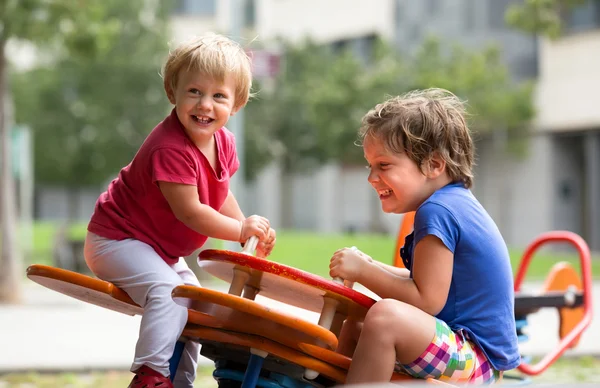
x=586 y=272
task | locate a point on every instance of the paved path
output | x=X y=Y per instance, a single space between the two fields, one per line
x=51 y=332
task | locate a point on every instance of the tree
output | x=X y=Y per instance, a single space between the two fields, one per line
x=495 y=102
x=99 y=99
x=278 y=121
x=314 y=109
x=31 y=20
x=93 y=94
x=545 y=17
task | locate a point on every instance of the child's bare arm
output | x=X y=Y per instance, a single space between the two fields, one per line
x=231 y=208
x=432 y=273
x=183 y=200
x=402 y=272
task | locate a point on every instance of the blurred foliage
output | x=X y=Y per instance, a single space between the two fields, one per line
x=313 y=109
x=544 y=17
x=494 y=101
x=98 y=92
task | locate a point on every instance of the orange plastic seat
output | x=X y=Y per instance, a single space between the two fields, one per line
x=247 y=316
x=84 y=288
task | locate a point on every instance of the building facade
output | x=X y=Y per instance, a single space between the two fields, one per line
x=569 y=115
x=554 y=186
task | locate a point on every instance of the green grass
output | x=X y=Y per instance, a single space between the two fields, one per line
x=568 y=370
x=43 y=240
x=311 y=251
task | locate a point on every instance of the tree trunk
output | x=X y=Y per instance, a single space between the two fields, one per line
x=10 y=263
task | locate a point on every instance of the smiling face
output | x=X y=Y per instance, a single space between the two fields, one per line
x=203 y=104
x=401 y=185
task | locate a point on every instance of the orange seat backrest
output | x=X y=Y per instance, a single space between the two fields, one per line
x=405 y=229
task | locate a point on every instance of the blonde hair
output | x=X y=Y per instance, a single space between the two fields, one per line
x=421 y=123
x=212 y=54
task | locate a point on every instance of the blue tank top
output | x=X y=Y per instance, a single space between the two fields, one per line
x=481 y=296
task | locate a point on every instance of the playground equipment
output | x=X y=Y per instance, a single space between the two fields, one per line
x=254 y=345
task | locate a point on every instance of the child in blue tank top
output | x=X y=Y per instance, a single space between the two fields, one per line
x=450 y=314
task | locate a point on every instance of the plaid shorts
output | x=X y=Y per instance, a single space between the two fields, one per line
x=452 y=357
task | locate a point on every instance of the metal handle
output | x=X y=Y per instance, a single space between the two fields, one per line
x=586 y=272
x=250 y=245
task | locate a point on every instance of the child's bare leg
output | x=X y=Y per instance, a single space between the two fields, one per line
x=348 y=337
x=392 y=331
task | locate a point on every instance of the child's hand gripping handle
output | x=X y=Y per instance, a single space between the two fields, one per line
x=250 y=245
x=341 y=281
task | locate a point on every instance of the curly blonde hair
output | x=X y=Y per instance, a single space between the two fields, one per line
x=421 y=123
x=212 y=54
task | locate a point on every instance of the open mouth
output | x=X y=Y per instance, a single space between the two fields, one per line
x=383 y=194
x=202 y=119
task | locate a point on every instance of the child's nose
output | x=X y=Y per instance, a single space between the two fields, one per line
x=204 y=102
x=373 y=177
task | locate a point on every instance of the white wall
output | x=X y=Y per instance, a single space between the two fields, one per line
x=53 y=203
x=324 y=21
x=518 y=194
x=567 y=93
x=332 y=199
x=184 y=27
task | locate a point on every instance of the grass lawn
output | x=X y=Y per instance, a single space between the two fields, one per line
x=311 y=252
x=565 y=370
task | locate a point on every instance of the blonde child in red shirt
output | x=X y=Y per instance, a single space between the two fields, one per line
x=173 y=196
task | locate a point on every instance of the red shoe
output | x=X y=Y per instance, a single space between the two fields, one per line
x=146 y=377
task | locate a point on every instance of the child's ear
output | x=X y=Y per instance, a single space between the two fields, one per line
x=436 y=165
x=170 y=94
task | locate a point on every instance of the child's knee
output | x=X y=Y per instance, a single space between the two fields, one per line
x=385 y=312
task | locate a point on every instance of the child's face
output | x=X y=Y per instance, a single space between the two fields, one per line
x=203 y=104
x=401 y=185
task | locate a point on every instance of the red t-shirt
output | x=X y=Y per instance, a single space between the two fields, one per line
x=133 y=205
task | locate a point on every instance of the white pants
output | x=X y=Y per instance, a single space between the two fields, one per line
x=137 y=269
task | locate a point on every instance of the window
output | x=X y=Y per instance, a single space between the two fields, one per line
x=470 y=13
x=584 y=17
x=249 y=13
x=398 y=12
x=196 y=7
x=496 y=10
x=525 y=66
x=362 y=47
x=432 y=7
